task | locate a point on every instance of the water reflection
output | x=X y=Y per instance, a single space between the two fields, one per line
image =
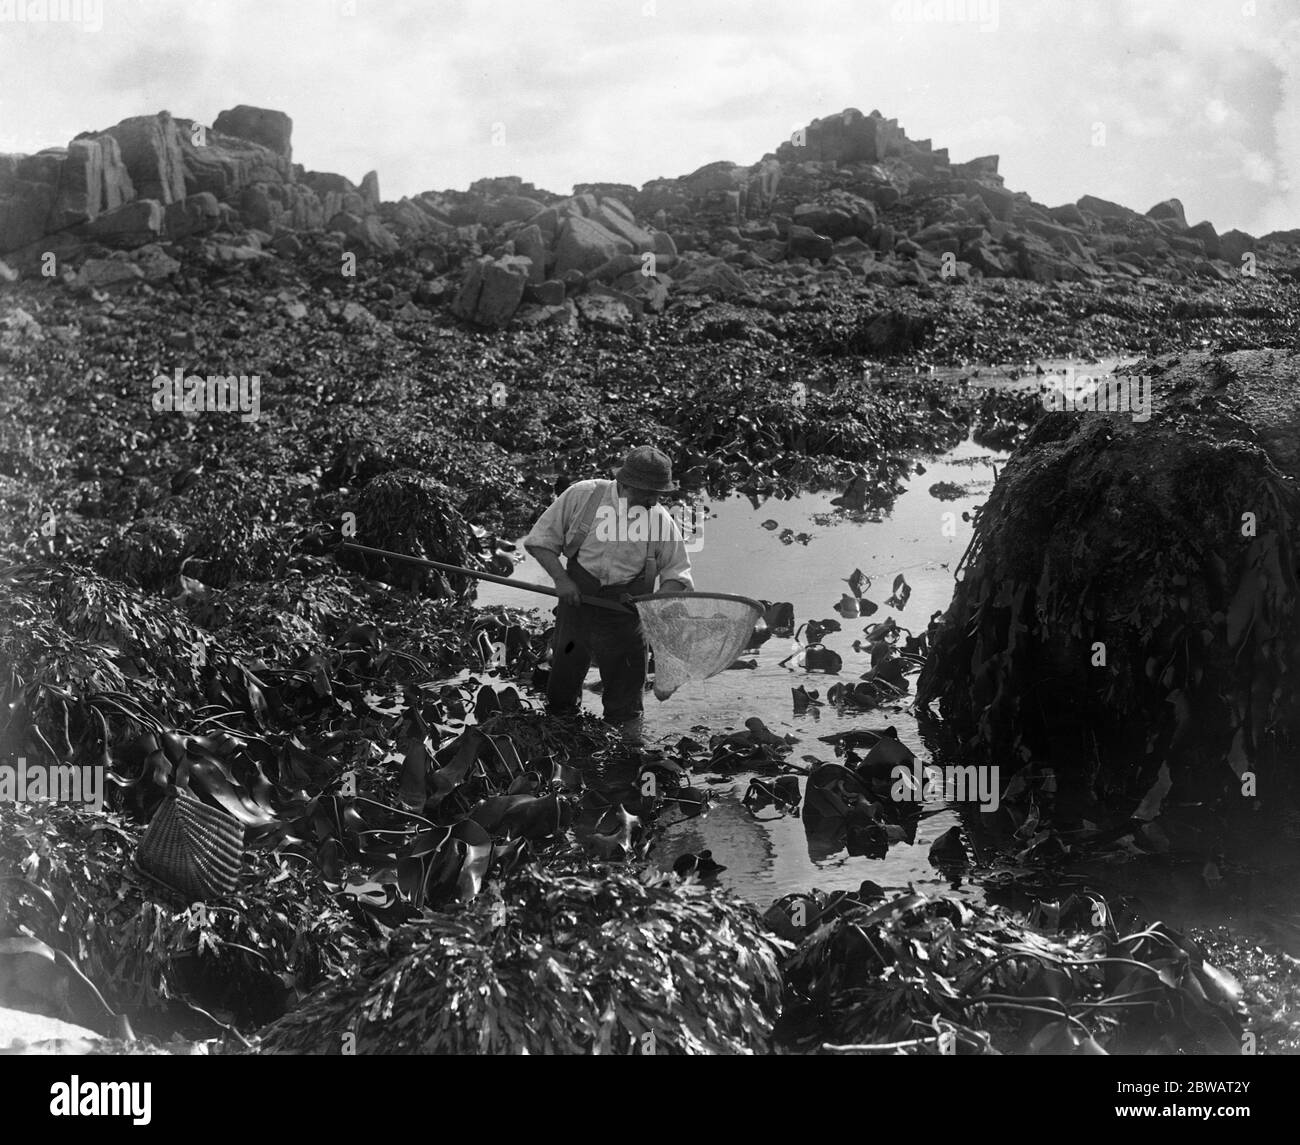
x=923 y=537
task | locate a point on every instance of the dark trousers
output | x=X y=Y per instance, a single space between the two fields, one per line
x=614 y=640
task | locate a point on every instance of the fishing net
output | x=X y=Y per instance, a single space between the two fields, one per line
x=695 y=635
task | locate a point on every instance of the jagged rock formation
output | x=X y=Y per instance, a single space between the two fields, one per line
x=849 y=197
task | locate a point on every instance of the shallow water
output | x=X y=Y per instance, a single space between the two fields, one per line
x=768 y=855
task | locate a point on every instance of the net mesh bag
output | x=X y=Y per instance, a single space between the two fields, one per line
x=695 y=635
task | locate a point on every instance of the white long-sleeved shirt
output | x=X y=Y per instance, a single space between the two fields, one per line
x=616 y=546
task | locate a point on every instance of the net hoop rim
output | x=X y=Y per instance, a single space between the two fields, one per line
x=698 y=595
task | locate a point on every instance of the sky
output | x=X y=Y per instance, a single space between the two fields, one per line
x=1133 y=101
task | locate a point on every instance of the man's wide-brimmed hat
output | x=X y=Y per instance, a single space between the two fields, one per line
x=647 y=468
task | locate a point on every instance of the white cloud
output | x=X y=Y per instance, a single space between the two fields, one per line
x=1256 y=168
x=1217 y=112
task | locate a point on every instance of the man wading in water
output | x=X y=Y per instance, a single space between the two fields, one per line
x=618 y=539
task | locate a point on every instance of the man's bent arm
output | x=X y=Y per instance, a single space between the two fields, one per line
x=549 y=560
x=565 y=587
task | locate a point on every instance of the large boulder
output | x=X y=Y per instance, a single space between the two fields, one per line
x=530 y=244
x=1069 y=215
x=195 y=214
x=605 y=311
x=548 y=222
x=492 y=290
x=804 y=242
x=835 y=222
x=406 y=218
x=25 y=205
x=624 y=192
x=152 y=151
x=985 y=166
x=303 y=208
x=43 y=167
x=33 y=260
x=512 y=208
x=617 y=218
x=616 y=267
x=714 y=279
x=584 y=244
x=226 y=164
x=648 y=293
x=1233 y=244
x=330 y=188
x=985 y=259
x=368 y=233
x=1171 y=209
x=1207 y=236
x=272 y=129
x=1060 y=238
x=548 y=293
x=1104 y=209
x=1034 y=258
x=562 y=316
x=81 y=185
x=665 y=250
x=1000 y=202
x=132 y=224
x=762 y=187
x=98 y=273
x=154 y=262
x=117 y=186
x=892 y=332
x=369 y=190
x=261 y=207
x=1128 y=602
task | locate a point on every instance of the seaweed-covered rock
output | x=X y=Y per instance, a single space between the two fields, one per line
x=1128 y=599
x=564 y=962
x=406 y=512
x=901 y=976
x=146 y=552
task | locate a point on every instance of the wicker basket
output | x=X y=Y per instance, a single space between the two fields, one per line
x=194 y=849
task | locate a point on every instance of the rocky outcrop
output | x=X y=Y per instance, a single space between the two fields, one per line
x=92 y=179
x=848 y=199
x=242 y=163
x=225 y=165
x=151 y=150
x=849 y=137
